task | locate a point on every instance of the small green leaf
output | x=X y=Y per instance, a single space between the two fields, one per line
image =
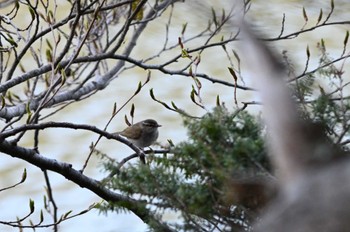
x=197 y=82
x=218 y=100
x=197 y=60
x=194 y=90
x=236 y=56
x=190 y=72
x=27 y=108
x=148 y=77
x=45 y=201
x=171 y=143
x=152 y=95
x=114 y=108
x=139 y=14
x=49 y=44
x=184 y=53
x=58 y=38
x=64 y=76
x=9 y=96
x=127 y=120
x=214 y=16
x=67 y=214
x=138 y=88
x=346 y=38
x=233 y=73
x=305 y=15
x=308 y=51
x=323 y=93
x=47 y=79
x=192 y=95
x=32 y=12
x=41 y=216
x=320 y=17
x=323 y=44
x=12 y=42
x=223 y=15
x=132 y=110
x=184 y=26
x=15 y=96
x=48 y=55
x=173 y=104
x=22 y=68
x=24 y=175
x=29 y=112
x=93 y=206
x=50 y=17
x=223 y=45
x=180 y=43
x=163 y=103
x=31 y=205
x=3 y=103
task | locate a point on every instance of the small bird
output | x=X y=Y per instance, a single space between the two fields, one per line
x=142 y=134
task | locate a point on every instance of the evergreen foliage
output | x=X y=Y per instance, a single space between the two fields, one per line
x=193 y=179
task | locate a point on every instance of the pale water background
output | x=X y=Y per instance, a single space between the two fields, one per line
x=73 y=146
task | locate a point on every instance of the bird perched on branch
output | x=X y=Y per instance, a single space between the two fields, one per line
x=142 y=134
